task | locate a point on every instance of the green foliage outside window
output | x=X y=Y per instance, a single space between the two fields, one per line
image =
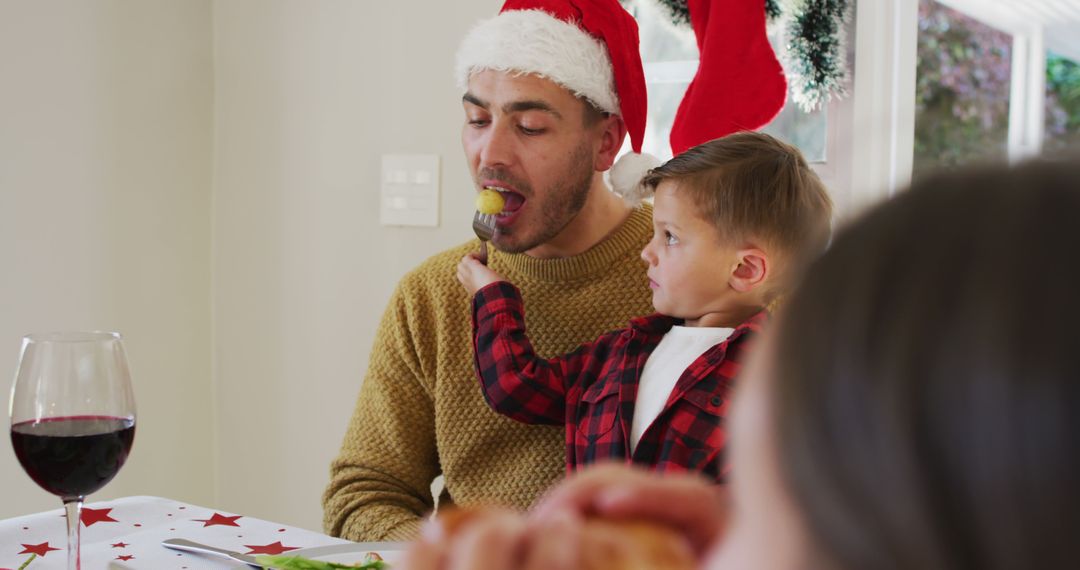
x=962 y=90
x=1062 y=104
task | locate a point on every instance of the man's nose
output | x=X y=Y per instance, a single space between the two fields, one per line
x=497 y=150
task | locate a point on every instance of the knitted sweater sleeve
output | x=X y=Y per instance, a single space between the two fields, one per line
x=380 y=483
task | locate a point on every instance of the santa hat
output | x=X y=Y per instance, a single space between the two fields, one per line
x=590 y=47
x=739 y=84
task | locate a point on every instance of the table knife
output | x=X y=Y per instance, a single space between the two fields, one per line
x=191 y=546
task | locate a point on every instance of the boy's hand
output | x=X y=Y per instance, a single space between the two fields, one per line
x=475 y=275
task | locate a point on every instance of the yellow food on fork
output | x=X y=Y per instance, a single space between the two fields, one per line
x=489 y=201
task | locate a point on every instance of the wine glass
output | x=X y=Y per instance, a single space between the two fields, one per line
x=72 y=416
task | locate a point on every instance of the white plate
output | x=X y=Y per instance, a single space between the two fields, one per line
x=351 y=553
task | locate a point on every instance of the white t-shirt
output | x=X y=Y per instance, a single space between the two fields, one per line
x=680 y=347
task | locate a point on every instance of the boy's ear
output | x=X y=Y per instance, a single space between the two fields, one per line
x=611 y=140
x=751 y=270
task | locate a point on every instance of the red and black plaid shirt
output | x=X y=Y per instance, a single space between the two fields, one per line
x=592 y=390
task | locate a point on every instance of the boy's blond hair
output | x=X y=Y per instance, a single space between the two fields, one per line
x=755 y=188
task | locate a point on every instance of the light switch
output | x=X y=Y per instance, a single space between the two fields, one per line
x=409 y=195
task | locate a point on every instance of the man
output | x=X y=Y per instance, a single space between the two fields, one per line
x=542 y=126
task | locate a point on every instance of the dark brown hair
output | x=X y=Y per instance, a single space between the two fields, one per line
x=927 y=389
x=591 y=114
x=752 y=186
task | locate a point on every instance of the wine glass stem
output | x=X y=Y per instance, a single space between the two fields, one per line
x=74 y=517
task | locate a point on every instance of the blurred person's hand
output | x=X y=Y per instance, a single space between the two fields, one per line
x=489 y=539
x=485 y=539
x=691 y=505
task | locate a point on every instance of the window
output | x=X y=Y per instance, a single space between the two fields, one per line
x=997 y=79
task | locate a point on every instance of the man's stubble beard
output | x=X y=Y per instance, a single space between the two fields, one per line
x=563 y=201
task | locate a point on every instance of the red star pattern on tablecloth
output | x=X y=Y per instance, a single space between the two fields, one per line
x=120 y=545
x=125 y=557
x=39 y=549
x=273 y=548
x=219 y=519
x=91 y=516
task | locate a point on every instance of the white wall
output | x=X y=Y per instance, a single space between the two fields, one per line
x=105 y=170
x=122 y=209
x=308 y=96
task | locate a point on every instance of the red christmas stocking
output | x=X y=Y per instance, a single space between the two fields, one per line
x=739 y=84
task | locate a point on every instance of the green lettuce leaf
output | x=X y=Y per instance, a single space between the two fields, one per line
x=286 y=562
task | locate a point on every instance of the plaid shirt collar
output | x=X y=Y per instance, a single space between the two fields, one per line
x=659 y=324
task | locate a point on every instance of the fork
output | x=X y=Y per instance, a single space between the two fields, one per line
x=484 y=226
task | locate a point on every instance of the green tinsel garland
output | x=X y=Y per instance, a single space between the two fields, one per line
x=816 y=58
x=772 y=9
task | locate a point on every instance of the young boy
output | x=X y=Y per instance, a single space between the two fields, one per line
x=734 y=219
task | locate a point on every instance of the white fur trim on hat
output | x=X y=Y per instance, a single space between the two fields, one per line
x=535 y=42
x=627 y=173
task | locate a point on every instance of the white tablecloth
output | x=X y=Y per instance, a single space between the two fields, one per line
x=127 y=533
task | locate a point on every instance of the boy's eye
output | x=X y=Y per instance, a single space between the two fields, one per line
x=670 y=239
x=478 y=122
x=530 y=131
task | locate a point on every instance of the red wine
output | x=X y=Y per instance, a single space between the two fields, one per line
x=73 y=457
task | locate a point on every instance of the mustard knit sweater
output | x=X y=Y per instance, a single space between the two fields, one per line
x=421 y=412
